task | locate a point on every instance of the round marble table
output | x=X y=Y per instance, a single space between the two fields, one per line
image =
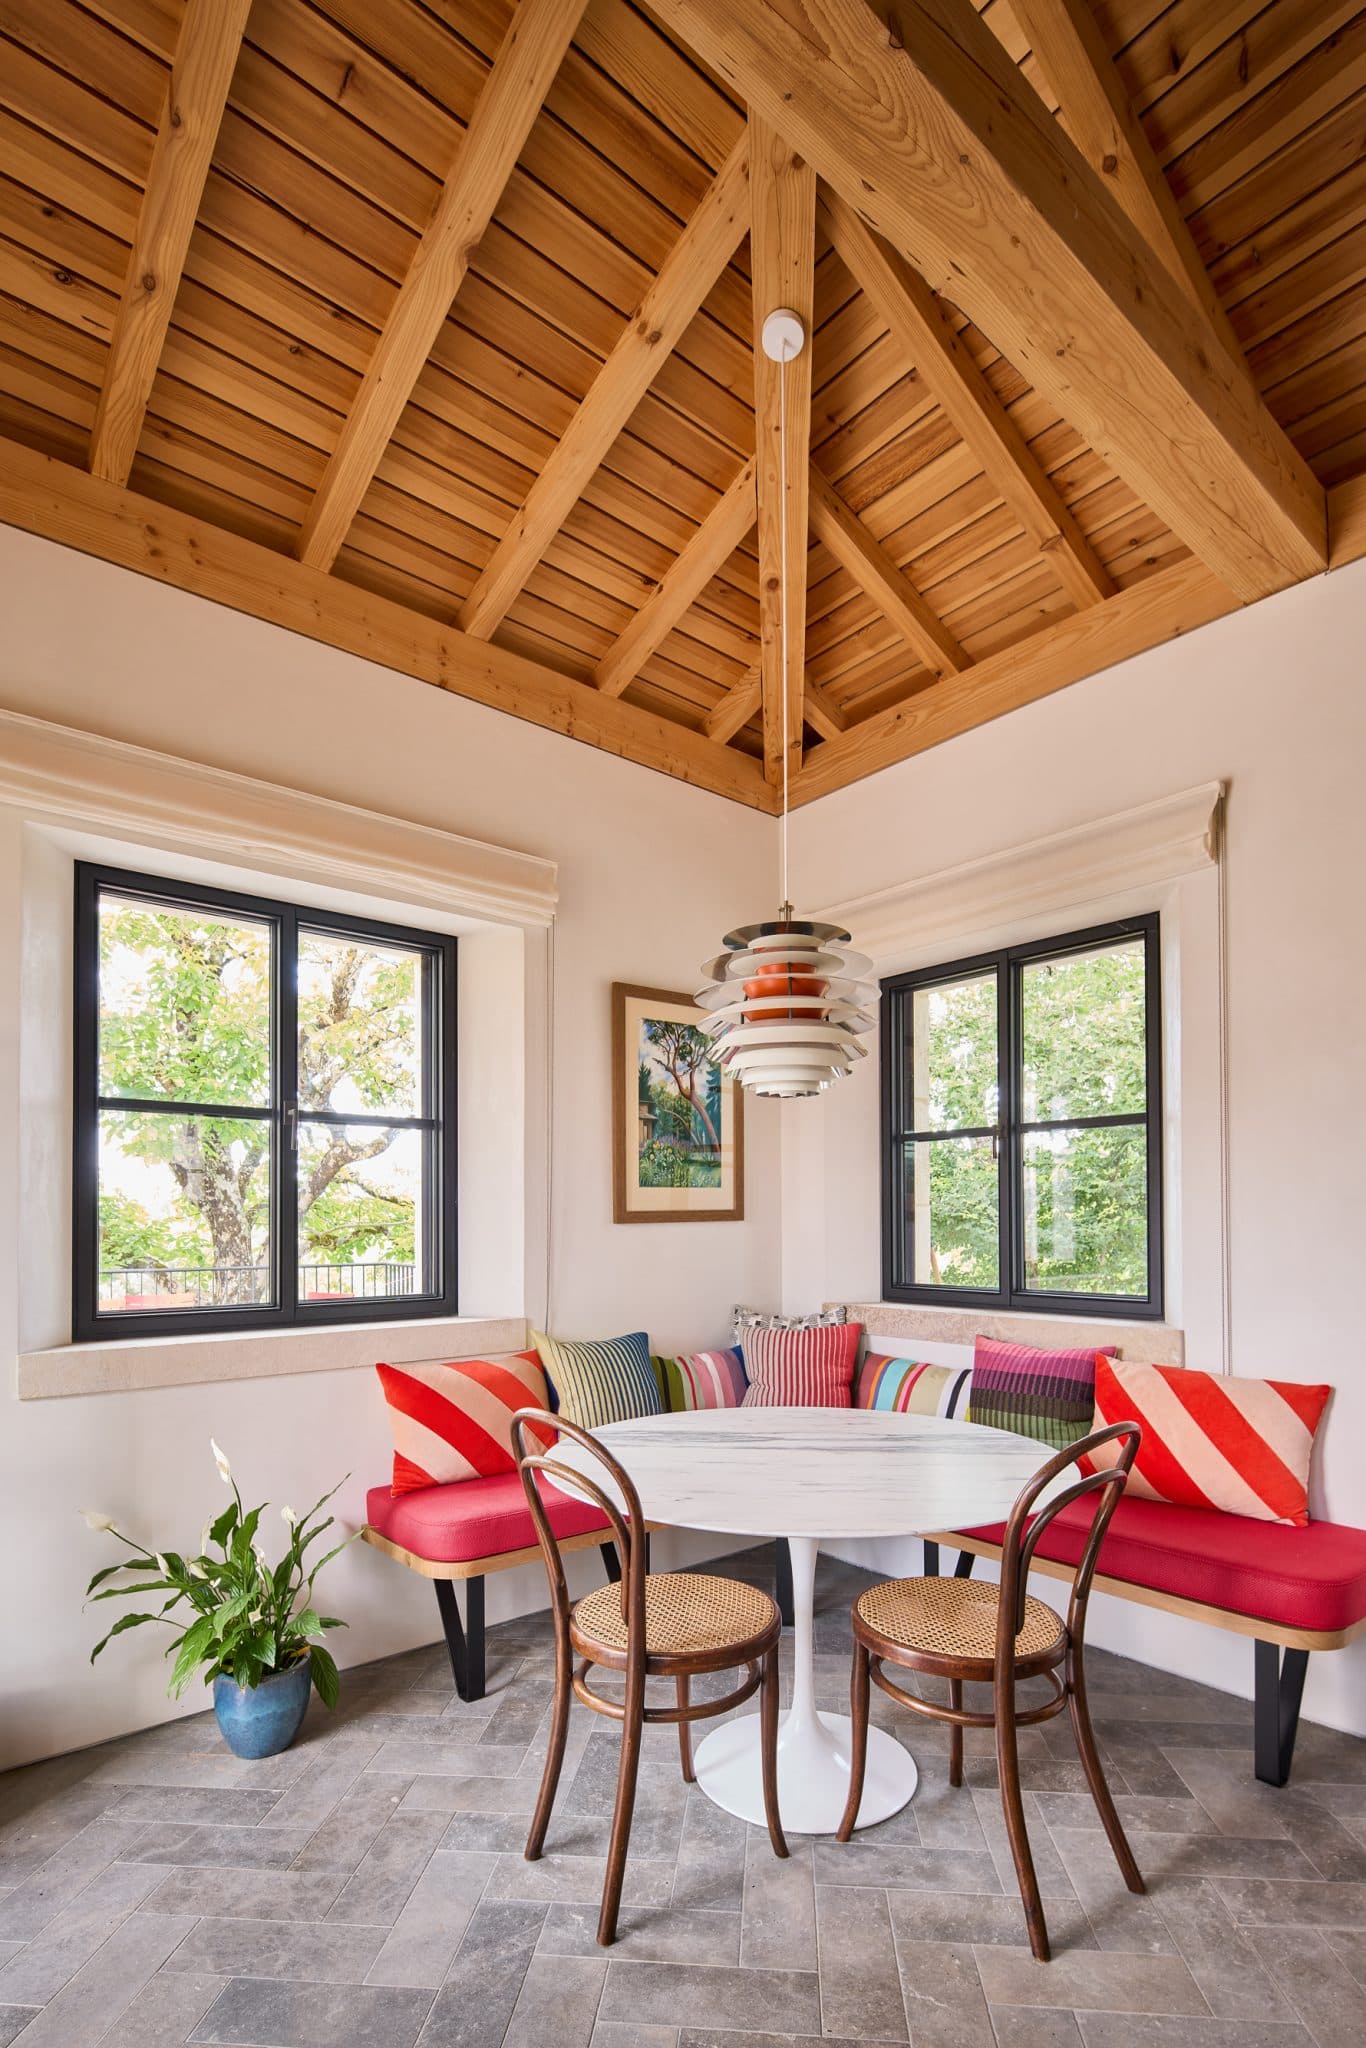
x=813 y=1475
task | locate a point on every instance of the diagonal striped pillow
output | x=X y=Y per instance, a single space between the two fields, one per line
x=1209 y=1442
x=902 y=1386
x=597 y=1383
x=455 y=1421
x=703 y=1379
x=801 y=1368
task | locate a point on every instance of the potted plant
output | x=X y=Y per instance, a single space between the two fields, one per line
x=250 y=1627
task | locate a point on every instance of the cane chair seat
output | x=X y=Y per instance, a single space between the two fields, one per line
x=686 y=1614
x=955 y=1619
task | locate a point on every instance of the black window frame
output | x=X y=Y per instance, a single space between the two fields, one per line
x=439 y=1106
x=1008 y=964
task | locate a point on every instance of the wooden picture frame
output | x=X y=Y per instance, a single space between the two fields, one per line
x=648 y=1143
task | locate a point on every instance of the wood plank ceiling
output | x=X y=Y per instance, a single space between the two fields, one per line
x=427 y=327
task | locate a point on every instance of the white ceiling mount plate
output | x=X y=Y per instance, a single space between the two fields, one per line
x=783 y=335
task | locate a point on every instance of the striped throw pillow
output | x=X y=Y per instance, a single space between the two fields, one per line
x=801 y=1368
x=703 y=1379
x=1045 y=1394
x=597 y=1383
x=901 y=1386
x=455 y=1421
x=1243 y=1446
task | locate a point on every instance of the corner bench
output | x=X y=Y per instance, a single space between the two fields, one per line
x=467 y=1529
x=1291 y=1590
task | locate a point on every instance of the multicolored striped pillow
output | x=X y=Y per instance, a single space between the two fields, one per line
x=1045 y=1394
x=702 y=1379
x=1210 y=1442
x=455 y=1421
x=801 y=1368
x=903 y=1386
x=597 y=1383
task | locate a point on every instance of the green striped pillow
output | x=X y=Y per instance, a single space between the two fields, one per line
x=596 y=1383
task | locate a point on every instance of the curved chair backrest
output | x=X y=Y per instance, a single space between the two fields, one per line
x=1022 y=1534
x=531 y=1429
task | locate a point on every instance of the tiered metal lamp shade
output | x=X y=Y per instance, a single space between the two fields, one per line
x=788 y=1005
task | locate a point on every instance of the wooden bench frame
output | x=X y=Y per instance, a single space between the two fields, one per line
x=465 y=1642
x=1278 y=1683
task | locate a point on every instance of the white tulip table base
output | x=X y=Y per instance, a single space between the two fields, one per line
x=814 y=1749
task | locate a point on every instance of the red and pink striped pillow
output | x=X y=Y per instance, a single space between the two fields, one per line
x=455 y=1421
x=801 y=1368
x=1210 y=1442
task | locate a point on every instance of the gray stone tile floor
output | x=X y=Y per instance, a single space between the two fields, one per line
x=367 y=1889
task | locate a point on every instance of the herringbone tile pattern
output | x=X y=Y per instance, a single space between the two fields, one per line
x=367 y=1889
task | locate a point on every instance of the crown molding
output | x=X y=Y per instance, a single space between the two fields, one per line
x=85 y=779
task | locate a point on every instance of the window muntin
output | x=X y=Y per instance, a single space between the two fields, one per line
x=264 y=1117
x=1022 y=1152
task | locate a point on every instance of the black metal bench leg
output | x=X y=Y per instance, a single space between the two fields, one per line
x=963 y=1568
x=782 y=1579
x=1279 y=1688
x=931 y=1559
x=466 y=1644
x=612 y=1562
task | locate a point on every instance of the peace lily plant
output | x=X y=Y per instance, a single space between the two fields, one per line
x=234 y=1616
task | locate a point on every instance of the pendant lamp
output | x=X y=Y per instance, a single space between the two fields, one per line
x=788 y=1003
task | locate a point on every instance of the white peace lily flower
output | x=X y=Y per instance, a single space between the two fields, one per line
x=204 y=1535
x=196 y=1571
x=224 y=1468
x=94 y=1519
x=288 y=1515
x=161 y=1563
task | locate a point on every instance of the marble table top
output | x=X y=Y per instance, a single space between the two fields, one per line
x=824 y=1473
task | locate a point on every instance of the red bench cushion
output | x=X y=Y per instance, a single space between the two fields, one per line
x=1311 y=1578
x=473 y=1518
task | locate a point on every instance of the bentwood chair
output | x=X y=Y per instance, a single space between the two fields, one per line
x=959 y=1629
x=676 y=1625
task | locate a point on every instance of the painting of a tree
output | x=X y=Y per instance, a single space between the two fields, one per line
x=683 y=1105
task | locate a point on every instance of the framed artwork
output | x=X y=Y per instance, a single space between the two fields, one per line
x=678 y=1123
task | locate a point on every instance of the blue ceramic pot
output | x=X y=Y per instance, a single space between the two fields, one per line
x=261 y=1720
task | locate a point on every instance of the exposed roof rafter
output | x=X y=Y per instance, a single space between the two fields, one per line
x=869 y=563
x=736 y=708
x=691 y=268
x=920 y=324
x=1067 y=42
x=1005 y=212
x=719 y=535
x=783 y=268
x=522 y=74
x=205 y=57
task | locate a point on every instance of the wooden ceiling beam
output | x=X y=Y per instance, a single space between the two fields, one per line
x=42 y=495
x=869 y=563
x=1163 y=606
x=522 y=74
x=783 y=269
x=196 y=94
x=690 y=270
x=1071 y=50
x=921 y=327
x=934 y=136
x=736 y=708
x=822 y=712
x=717 y=538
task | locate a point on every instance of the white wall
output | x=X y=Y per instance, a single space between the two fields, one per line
x=651 y=873
x=1271 y=701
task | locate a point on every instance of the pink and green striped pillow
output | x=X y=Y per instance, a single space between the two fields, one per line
x=702 y=1379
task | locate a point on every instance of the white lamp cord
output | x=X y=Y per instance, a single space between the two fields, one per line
x=782 y=587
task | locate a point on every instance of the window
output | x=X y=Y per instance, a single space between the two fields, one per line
x=265 y=1113
x=1022 y=1116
